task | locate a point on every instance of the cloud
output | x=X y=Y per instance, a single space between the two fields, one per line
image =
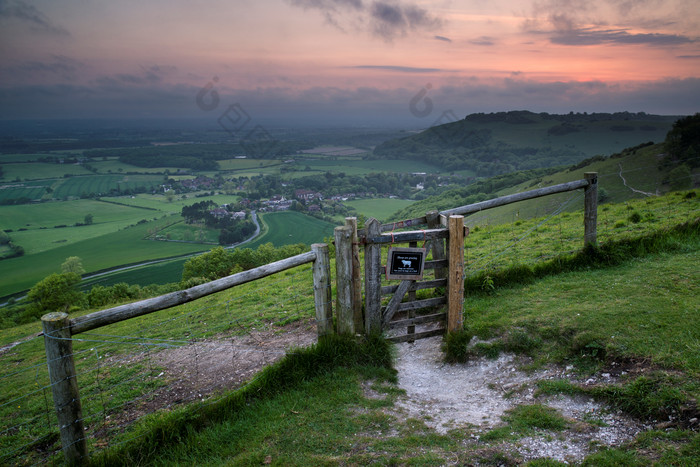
x=442 y=38
x=385 y=19
x=572 y=23
x=28 y=14
x=329 y=105
x=688 y=57
x=483 y=40
x=619 y=36
x=401 y=69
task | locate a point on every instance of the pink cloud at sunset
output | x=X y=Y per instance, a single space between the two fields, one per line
x=362 y=59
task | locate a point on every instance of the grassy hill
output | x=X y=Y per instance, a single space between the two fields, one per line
x=497 y=143
x=633 y=173
x=631 y=302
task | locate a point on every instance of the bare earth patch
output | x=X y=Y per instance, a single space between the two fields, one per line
x=476 y=394
x=471 y=396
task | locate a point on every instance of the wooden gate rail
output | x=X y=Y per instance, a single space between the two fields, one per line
x=58 y=330
x=589 y=184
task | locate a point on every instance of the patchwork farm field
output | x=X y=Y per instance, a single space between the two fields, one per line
x=78 y=186
x=127 y=246
x=379 y=208
x=288 y=227
x=41 y=170
x=359 y=167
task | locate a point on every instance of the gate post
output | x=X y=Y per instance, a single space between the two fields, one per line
x=343 y=279
x=64 y=386
x=356 y=279
x=323 y=297
x=590 y=209
x=438 y=245
x=373 y=284
x=455 y=280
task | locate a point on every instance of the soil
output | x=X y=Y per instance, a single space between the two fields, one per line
x=475 y=395
x=471 y=396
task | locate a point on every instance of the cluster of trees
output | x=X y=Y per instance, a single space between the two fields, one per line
x=683 y=141
x=13 y=250
x=232 y=230
x=220 y=262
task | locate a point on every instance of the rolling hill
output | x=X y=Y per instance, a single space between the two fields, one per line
x=503 y=142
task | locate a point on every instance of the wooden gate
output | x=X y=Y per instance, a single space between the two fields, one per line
x=392 y=305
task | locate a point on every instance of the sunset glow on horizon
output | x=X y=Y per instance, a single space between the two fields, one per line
x=316 y=58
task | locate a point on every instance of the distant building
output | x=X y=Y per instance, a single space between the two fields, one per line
x=307 y=195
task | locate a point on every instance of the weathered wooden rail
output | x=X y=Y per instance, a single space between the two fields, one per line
x=59 y=328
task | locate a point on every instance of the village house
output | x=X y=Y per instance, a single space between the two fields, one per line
x=307 y=195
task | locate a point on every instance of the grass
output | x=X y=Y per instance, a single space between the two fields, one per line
x=116 y=248
x=289 y=227
x=640 y=312
x=380 y=209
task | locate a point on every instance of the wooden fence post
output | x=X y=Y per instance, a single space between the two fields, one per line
x=356 y=277
x=590 y=209
x=455 y=280
x=438 y=245
x=373 y=279
x=64 y=386
x=343 y=279
x=323 y=296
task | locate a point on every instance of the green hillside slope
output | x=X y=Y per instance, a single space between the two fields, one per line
x=631 y=174
x=491 y=144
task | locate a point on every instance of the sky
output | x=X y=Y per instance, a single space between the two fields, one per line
x=339 y=62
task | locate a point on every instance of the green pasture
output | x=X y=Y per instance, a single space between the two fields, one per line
x=77 y=186
x=165 y=272
x=8 y=158
x=230 y=165
x=289 y=227
x=112 y=165
x=32 y=190
x=126 y=246
x=41 y=170
x=160 y=201
x=359 y=167
x=39 y=222
x=183 y=232
x=592 y=137
x=379 y=208
x=639 y=169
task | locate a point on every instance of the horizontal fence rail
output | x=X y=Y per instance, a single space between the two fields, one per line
x=59 y=329
x=504 y=200
x=143 y=307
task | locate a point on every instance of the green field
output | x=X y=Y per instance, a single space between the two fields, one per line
x=288 y=228
x=126 y=246
x=41 y=170
x=358 y=167
x=34 y=189
x=246 y=164
x=379 y=208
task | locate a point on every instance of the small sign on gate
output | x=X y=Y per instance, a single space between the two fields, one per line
x=405 y=263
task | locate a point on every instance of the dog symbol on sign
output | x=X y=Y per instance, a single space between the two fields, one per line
x=406 y=263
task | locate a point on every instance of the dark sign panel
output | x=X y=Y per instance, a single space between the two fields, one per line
x=405 y=263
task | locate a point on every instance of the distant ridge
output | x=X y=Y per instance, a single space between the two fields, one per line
x=485 y=145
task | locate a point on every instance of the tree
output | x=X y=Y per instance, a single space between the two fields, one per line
x=73 y=264
x=88 y=219
x=683 y=141
x=56 y=292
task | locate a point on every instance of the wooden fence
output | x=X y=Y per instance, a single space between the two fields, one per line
x=447 y=260
x=59 y=328
x=447 y=263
